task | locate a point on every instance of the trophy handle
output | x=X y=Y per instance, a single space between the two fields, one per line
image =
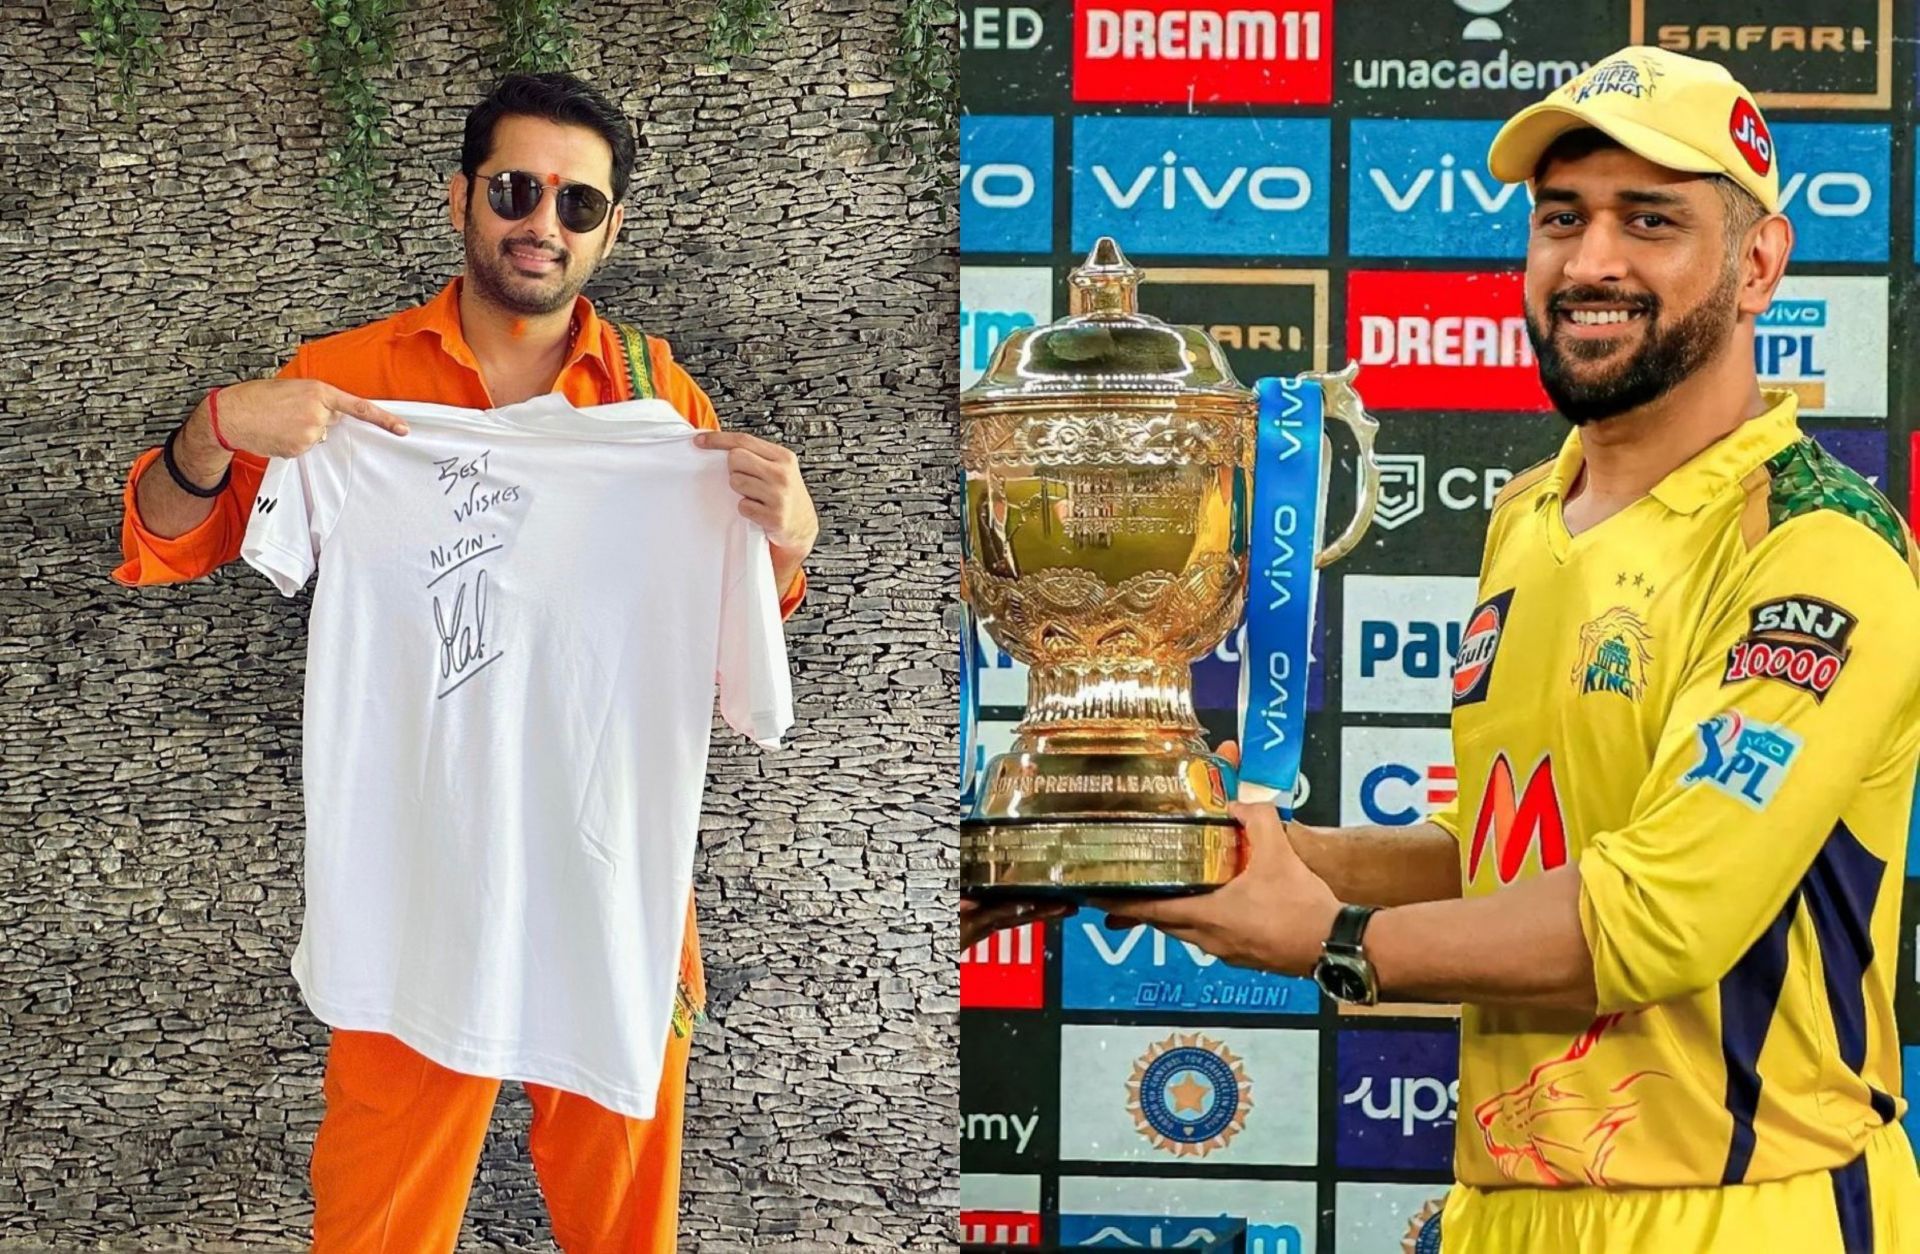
x=1343 y=402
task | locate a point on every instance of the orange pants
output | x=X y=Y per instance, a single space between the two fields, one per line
x=400 y=1141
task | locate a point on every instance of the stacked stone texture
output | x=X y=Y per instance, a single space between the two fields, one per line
x=159 y=1076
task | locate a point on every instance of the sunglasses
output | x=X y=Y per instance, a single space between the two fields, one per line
x=514 y=194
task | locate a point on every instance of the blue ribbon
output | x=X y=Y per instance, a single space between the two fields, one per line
x=970 y=662
x=1285 y=535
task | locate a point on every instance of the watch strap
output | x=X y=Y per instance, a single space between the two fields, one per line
x=1349 y=926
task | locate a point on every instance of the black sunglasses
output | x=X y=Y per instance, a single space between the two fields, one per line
x=514 y=194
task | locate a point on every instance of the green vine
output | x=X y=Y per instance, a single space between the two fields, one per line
x=355 y=39
x=122 y=34
x=535 y=36
x=736 y=28
x=924 y=117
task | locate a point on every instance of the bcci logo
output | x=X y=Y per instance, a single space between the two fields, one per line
x=1403 y=489
x=1614 y=655
x=1423 y=1230
x=1189 y=1095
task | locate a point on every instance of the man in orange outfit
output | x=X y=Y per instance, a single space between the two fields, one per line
x=544 y=169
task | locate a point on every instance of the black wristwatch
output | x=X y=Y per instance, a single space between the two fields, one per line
x=1344 y=972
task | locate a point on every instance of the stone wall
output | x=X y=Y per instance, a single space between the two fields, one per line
x=159 y=1076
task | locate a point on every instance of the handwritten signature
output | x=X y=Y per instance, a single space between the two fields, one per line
x=463 y=639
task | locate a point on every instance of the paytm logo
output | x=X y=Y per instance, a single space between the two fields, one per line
x=1145 y=969
x=1006 y=184
x=1834 y=182
x=1248 y=186
x=996 y=301
x=1395 y=776
x=1421 y=189
x=1399 y=637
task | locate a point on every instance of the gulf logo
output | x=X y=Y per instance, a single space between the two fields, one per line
x=1473 y=668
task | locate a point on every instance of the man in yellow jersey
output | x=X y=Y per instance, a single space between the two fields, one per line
x=1686 y=717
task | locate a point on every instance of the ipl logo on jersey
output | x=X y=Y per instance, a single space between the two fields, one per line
x=1614 y=654
x=1743 y=758
x=1189 y=1095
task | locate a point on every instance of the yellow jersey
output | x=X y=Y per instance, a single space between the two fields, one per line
x=1710 y=703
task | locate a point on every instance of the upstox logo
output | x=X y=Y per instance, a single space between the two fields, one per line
x=1421 y=189
x=1006 y=184
x=1834 y=182
x=1247 y=186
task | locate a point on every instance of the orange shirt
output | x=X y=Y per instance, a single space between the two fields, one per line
x=417 y=354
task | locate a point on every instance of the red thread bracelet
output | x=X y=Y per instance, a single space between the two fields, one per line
x=213 y=420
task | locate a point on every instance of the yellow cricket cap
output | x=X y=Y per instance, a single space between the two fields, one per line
x=1679 y=112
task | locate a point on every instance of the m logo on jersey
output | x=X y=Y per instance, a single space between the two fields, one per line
x=1479 y=644
x=1744 y=758
x=265 y=504
x=1614 y=655
x=1800 y=641
x=1513 y=822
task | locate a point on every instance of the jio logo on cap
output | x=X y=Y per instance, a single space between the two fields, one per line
x=1750 y=136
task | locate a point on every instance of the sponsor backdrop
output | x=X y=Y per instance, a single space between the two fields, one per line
x=1307 y=179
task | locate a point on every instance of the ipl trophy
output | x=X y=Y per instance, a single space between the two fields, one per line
x=1123 y=493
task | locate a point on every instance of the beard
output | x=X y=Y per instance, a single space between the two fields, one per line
x=494 y=274
x=1667 y=354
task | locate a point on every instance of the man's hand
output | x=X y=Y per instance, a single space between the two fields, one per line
x=286 y=417
x=1270 y=917
x=979 y=920
x=767 y=477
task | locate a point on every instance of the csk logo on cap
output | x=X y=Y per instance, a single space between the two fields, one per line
x=1620 y=76
x=1189 y=1095
x=1750 y=136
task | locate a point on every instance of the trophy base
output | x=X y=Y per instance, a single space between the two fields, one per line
x=1050 y=859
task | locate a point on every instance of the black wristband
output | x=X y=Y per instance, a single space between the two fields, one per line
x=179 y=476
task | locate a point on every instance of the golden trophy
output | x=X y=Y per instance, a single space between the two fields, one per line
x=1109 y=461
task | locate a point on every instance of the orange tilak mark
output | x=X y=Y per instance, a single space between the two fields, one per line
x=553 y=180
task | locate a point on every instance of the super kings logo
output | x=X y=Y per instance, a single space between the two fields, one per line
x=1800 y=641
x=1512 y=821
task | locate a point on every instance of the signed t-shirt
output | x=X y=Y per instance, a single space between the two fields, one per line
x=518 y=628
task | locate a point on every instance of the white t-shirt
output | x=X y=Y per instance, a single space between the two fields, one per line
x=521 y=618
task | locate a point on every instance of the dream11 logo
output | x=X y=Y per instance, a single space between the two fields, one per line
x=1208 y=52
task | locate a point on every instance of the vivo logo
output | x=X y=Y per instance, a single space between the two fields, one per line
x=1448 y=184
x=998 y=185
x=1214 y=185
x=1834 y=194
x=1271 y=188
